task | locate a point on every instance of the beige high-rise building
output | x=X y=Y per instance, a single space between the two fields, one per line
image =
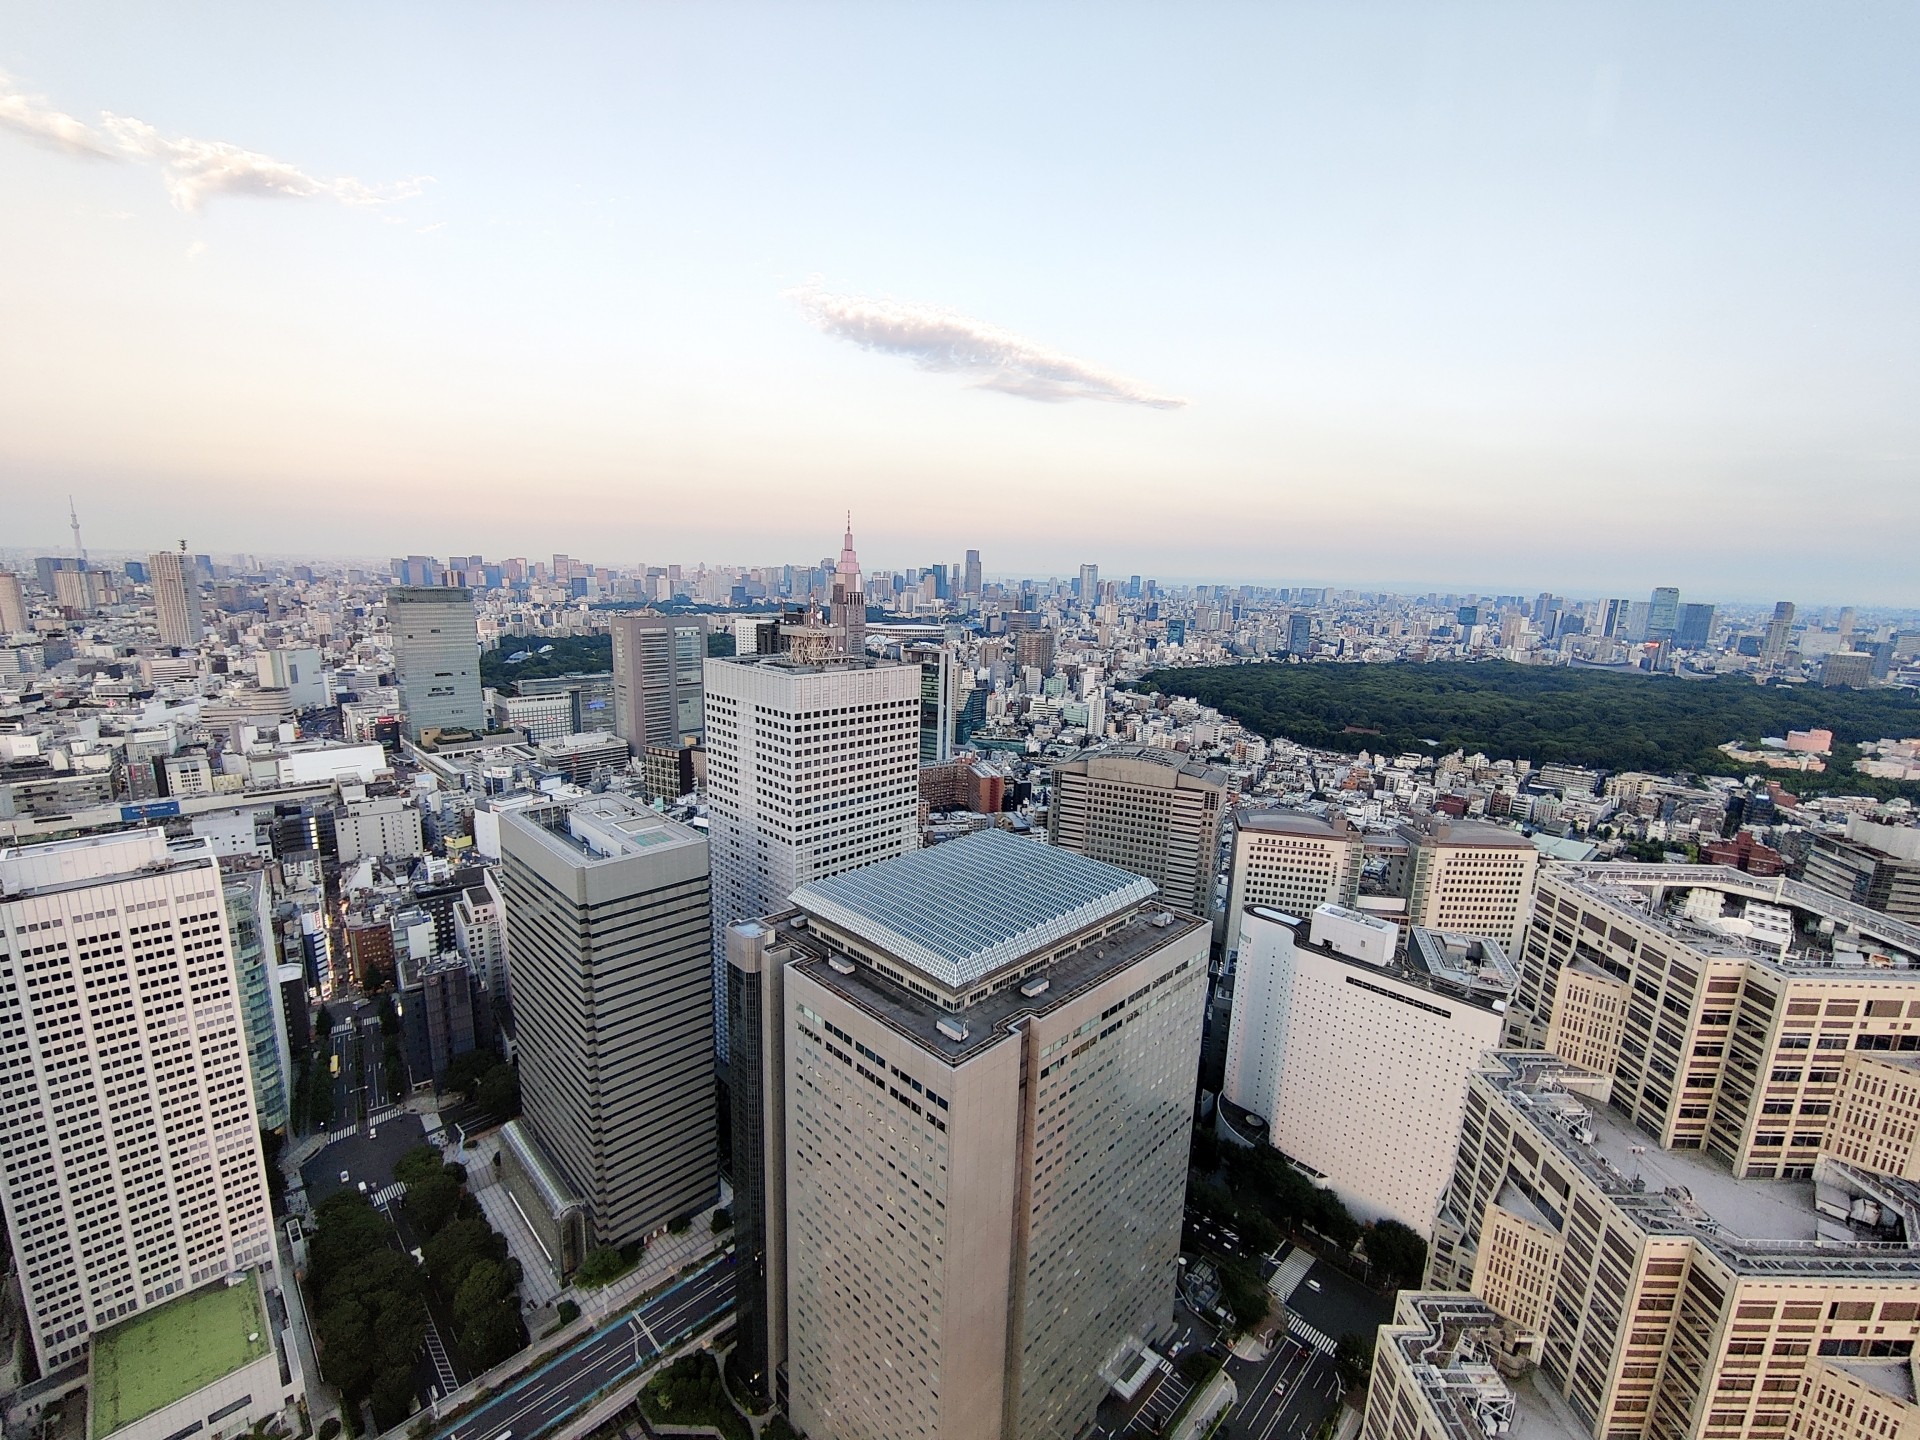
x=1723 y=1007
x=1472 y=877
x=13 y=604
x=1293 y=862
x=968 y=1114
x=176 y=599
x=658 y=662
x=1661 y=1295
x=130 y=1161
x=1154 y=812
x=812 y=769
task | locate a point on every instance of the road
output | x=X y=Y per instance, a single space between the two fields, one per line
x=1284 y=1396
x=610 y=1355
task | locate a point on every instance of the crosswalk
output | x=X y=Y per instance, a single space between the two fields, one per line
x=1307 y=1335
x=387 y=1194
x=380 y=1117
x=442 y=1367
x=1293 y=1269
x=344 y=1132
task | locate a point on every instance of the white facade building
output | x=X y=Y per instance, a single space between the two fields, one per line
x=176 y=599
x=1291 y=862
x=299 y=672
x=130 y=1163
x=812 y=769
x=381 y=826
x=1359 y=1064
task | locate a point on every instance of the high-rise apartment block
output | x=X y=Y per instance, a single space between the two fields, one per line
x=1661 y=1295
x=1089 y=585
x=130 y=1162
x=608 y=926
x=967 y=1118
x=176 y=599
x=1722 y=1006
x=1358 y=1055
x=973 y=582
x=812 y=769
x=436 y=652
x=658 y=662
x=1154 y=812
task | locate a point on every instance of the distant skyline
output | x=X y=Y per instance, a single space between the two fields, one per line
x=1620 y=294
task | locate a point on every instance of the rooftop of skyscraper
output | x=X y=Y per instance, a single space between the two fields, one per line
x=602 y=828
x=1756 y=1226
x=963 y=911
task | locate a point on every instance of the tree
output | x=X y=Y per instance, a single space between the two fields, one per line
x=458 y=1248
x=601 y=1266
x=432 y=1202
x=389 y=1016
x=323 y=1023
x=722 y=1220
x=499 y=1093
x=1353 y=1359
x=1243 y=1290
x=1397 y=1252
x=464 y=1071
x=1258 y=1234
x=422 y=1162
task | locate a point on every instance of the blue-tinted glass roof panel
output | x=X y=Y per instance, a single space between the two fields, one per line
x=960 y=911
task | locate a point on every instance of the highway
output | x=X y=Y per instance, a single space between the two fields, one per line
x=608 y=1356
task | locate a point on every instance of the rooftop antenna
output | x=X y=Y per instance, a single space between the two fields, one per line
x=78 y=549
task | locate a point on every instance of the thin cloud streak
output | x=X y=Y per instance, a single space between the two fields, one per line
x=946 y=341
x=194 y=170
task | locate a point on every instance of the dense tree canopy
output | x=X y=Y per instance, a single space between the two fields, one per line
x=570 y=655
x=1601 y=718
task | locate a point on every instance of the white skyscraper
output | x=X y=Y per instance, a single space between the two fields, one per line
x=1357 y=1060
x=176 y=599
x=130 y=1161
x=812 y=769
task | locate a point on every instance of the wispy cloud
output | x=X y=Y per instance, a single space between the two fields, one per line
x=944 y=340
x=194 y=170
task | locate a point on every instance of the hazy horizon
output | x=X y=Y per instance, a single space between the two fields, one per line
x=1598 y=297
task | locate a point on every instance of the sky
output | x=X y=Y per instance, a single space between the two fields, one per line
x=1552 y=296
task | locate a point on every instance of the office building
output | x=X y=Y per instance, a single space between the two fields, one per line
x=1151 y=811
x=176 y=599
x=1033 y=650
x=299 y=672
x=1874 y=865
x=1357 y=1055
x=378 y=827
x=248 y=896
x=539 y=717
x=607 y=923
x=812 y=769
x=1470 y=877
x=1451 y=1367
x=1846 y=670
x=657 y=694
x=1720 y=1005
x=436 y=654
x=591 y=694
x=1663 y=613
x=939 y=699
x=130 y=1161
x=971 y=1118
x=1696 y=627
x=480 y=933
x=849 y=598
x=973 y=584
x=1779 y=633
x=13 y=604
x=1299 y=633
x=1292 y=862
x=1661 y=1295
x=1089 y=585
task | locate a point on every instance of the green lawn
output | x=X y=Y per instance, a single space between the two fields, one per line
x=166 y=1354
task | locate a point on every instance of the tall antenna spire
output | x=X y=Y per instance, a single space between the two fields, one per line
x=78 y=549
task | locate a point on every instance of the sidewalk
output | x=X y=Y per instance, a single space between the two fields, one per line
x=665 y=1255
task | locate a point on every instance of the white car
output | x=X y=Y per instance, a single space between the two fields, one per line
x=345 y=1176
